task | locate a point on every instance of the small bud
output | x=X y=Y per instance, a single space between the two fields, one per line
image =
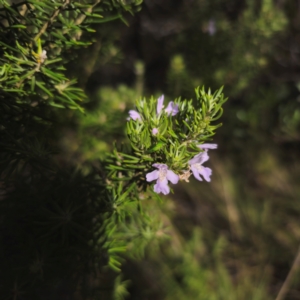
x=154 y=131
x=43 y=56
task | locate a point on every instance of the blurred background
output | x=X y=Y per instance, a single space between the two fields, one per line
x=238 y=236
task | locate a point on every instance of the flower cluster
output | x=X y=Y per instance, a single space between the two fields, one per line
x=162 y=175
x=171 y=109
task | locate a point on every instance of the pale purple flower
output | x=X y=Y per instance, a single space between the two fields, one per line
x=211 y=28
x=172 y=108
x=162 y=175
x=134 y=115
x=154 y=131
x=160 y=104
x=197 y=168
x=208 y=146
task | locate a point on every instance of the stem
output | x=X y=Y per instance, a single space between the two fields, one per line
x=288 y=281
x=54 y=15
x=81 y=18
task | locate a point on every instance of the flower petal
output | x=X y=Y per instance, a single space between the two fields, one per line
x=171 y=176
x=208 y=146
x=134 y=115
x=152 y=175
x=206 y=173
x=161 y=186
x=172 y=108
x=196 y=173
x=199 y=158
x=160 y=104
x=160 y=166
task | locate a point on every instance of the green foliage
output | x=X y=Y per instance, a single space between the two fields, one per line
x=120 y=289
x=55 y=27
x=59 y=221
x=196 y=277
x=178 y=137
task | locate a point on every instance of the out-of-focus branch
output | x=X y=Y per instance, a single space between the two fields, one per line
x=82 y=17
x=227 y=190
x=288 y=281
x=54 y=15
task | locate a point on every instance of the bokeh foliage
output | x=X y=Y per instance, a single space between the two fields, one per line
x=252 y=203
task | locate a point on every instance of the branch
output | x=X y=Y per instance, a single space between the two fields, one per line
x=288 y=281
x=54 y=15
x=82 y=17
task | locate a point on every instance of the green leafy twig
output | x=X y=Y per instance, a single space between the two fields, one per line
x=52 y=18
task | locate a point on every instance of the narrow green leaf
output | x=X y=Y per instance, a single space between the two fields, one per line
x=156 y=147
x=42 y=87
